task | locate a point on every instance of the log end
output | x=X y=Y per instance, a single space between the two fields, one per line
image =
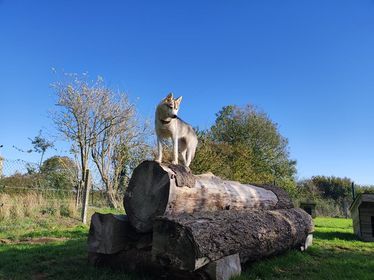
x=147 y=195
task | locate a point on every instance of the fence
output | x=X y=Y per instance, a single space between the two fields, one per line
x=27 y=191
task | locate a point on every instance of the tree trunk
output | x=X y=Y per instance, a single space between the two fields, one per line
x=77 y=195
x=110 y=234
x=190 y=241
x=159 y=189
x=112 y=242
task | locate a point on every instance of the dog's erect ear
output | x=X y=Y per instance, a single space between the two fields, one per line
x=169 y=97
x=178 y=101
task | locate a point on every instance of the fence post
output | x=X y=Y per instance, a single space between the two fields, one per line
x=86 y=194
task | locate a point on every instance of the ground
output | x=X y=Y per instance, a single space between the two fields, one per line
x=51 y=250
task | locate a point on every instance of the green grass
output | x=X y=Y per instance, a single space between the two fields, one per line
x=335 y=254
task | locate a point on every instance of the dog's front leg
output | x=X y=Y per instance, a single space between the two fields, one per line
x=175 y=149
x=159 y=150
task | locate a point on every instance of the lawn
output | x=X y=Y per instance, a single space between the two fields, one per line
x=50 y=251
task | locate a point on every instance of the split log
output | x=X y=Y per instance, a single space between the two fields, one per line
x=190 y=241
x=160 y=189
x=110 y=234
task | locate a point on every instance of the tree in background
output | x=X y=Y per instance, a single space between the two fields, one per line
x=121 y=146
x=40 y=145
x=60 y=172
x=245 y=145
x=100 y=123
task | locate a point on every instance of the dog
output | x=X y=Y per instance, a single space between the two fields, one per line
x=169 y=125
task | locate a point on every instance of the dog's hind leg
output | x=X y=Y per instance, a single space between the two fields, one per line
x=182 y=157
x=190 y=154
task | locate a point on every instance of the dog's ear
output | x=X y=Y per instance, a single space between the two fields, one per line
x=169 y=97
x=178 y=101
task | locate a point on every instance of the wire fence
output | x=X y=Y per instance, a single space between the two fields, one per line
x=30 y=191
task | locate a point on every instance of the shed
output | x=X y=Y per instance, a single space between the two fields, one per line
x=309 y=207
x=362 y=211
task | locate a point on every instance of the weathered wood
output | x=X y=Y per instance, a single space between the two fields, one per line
x=110 y=234
x=113 y=243
x=159 y=189
x=190 y=241
x=140 y=261
x=225 y=268
x=86 y=193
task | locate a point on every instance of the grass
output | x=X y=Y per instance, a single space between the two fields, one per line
x=48 y=250
x=336 y=254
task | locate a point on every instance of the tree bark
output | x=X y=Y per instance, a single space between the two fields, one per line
x=190 y=241
x=112 y=242
x=110 y=234
x=160 y=189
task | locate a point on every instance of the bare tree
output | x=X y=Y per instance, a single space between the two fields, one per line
x=115 y=150
x=102 y=124
x=80 y=99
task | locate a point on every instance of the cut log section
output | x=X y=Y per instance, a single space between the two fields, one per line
x=190 y=241
x=159 y=189
x=110 y=234
x=113 y=243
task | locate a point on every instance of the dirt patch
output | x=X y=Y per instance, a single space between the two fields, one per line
x=39 y=276
x=41 y=240
x=29 y=240
x=5 y=241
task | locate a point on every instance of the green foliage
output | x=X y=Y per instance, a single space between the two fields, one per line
x=245 y=145
x=60 y=172
x=333 y=187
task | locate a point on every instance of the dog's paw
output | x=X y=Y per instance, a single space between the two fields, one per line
x=158 y=161
x=175 y=162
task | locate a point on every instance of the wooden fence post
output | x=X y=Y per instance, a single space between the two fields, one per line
x=86 y=193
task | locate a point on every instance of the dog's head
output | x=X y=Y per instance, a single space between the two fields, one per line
x=171 y=105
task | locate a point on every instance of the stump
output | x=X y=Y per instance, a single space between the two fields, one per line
x=190 y=241
x=160 y=189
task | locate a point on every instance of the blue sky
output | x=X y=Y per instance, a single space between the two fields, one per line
x=308 y=64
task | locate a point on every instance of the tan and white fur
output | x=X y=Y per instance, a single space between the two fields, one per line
x=168 y=125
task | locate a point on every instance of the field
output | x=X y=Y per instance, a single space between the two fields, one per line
x=48 y=250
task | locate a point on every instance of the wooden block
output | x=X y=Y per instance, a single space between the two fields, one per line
x=224 y=268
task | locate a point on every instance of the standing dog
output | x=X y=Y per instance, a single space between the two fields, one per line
x=168 y=125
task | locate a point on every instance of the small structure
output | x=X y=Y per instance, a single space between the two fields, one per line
x=362 y=210
x=309 y=207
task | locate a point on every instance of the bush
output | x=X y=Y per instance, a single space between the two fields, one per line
x=68 y=209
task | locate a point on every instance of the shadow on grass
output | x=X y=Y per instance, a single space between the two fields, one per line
x=315 y=263
x=331 y=235
x=58 y=260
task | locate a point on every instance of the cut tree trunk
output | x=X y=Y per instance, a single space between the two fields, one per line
x=190 y=241
x=160 y=189
x=110 y=234
x=113 y=243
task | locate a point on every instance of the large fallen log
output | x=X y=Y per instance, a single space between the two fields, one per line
x=190 y=241
x=113 y=243
x=160 y=189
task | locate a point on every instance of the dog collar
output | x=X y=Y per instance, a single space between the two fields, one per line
x=164 y=122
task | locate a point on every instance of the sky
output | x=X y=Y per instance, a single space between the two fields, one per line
x=308 y=64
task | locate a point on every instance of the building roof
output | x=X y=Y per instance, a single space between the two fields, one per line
x=362 y=197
